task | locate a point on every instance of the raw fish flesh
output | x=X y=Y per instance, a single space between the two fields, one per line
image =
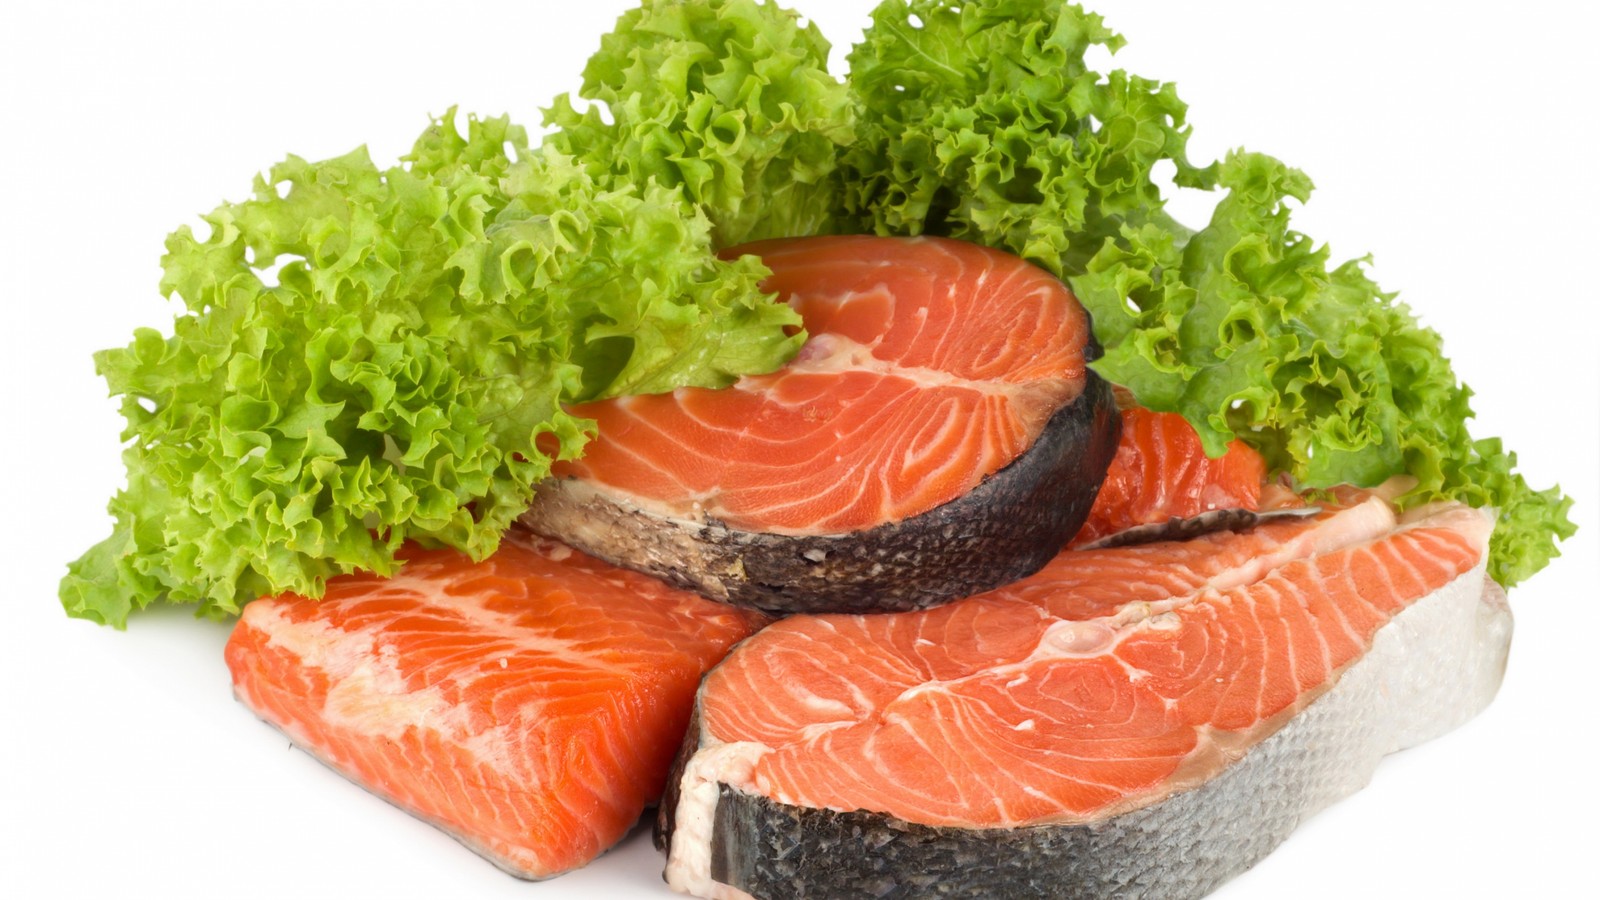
x=529 y=705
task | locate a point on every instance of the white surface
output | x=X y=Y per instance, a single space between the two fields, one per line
x=1455 y=146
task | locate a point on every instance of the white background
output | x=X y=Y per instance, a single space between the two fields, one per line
x=1456 y=143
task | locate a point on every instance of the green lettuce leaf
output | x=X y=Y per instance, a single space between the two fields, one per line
x=1247 y=331
x=981 y=120
x=402 y=374
x=730 y=100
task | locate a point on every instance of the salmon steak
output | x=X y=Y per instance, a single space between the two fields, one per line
x=1137 y=722
x=939 y=433
x=530 y=705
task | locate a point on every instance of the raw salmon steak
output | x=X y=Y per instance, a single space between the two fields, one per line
x=1144 y=721
x=939 y=433
x=529 y=705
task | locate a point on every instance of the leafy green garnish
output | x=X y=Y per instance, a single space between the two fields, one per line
x=981 y=120
x=403 y=377
x=729 y=99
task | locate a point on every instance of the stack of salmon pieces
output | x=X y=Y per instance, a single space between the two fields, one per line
x=945 y=673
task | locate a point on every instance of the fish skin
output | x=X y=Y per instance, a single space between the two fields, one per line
x=1181 y=529
x=1431 y=666
x=529 y=705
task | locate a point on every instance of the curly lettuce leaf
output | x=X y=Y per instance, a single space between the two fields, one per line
x=1247 y=331
x=981 y=120
x=402 y=374
x=730 y=100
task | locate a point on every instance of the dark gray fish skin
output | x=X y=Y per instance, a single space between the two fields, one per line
x=1175 y=850
x=1177 y=529
x=667 y=809
x=1005 y=529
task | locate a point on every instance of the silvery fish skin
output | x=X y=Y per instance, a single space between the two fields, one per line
x=1431 y=668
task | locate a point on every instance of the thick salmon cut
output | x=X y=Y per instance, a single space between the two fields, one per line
x=939 y=433
x=1140 y=722
x=529 y=705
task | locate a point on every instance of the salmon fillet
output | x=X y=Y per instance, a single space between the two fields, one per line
x=529 y=704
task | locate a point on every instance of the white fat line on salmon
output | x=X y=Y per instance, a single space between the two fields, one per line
x=1462 y=637
x=931 y=813
x=1454 y=637
x=1360 y=525
x=828 y=354
x=1036 y=401
x=688 y=496
x=818 y=704
x=520 y=639
x=1359 y=529
x=863 y=471
x=369 y=695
